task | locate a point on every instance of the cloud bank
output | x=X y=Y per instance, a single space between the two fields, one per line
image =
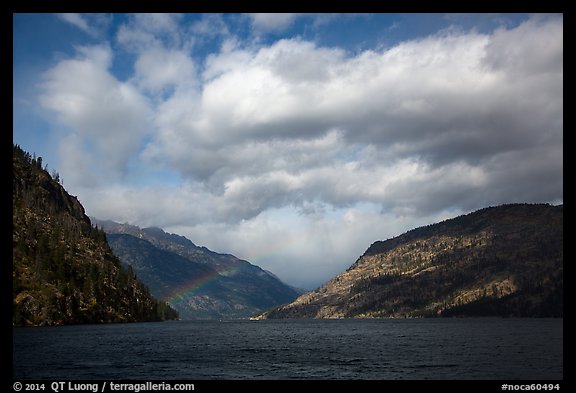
x=320 y=148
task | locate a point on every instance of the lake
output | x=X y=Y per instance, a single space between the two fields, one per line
x=389 y=349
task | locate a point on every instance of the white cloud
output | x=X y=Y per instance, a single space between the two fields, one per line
x=210 y=26
x=76 y=20
x=293 y=89
x=276 y=23
x=91 y=24
x=426 y=115
x=151 y=30
x=272 y=22
x=158 y=69
x=108 y=118
x=535 y=47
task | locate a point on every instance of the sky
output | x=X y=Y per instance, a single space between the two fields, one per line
x=293 y=141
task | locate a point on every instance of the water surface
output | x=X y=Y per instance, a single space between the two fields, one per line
x=442 y=348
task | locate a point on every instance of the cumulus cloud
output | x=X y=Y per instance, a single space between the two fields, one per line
x=533 y=48
x=272 y=22
x=275 y=23
x=106 y=118
x=151 y=30
x=158 y=69
x=291 y=121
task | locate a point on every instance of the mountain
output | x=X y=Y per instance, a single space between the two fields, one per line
x=498 y=261
x=63 y=270
x=197 y=282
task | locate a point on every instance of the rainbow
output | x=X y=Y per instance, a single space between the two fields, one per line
x=196 y=283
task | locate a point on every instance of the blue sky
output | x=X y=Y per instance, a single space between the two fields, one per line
x=292 y=140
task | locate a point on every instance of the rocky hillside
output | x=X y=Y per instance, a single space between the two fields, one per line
x=63 y=270
x=197 y=282
x=498 y=261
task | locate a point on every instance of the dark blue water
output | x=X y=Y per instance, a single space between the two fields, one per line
x=295 y=349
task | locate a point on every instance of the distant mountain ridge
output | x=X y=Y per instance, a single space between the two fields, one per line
x=197 y=282
x=498 y=261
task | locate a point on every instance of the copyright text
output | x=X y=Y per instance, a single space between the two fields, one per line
x=101 y=387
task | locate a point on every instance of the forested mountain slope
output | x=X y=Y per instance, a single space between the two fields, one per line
x=63 y=270
x=197 y=282
x=497 y=261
